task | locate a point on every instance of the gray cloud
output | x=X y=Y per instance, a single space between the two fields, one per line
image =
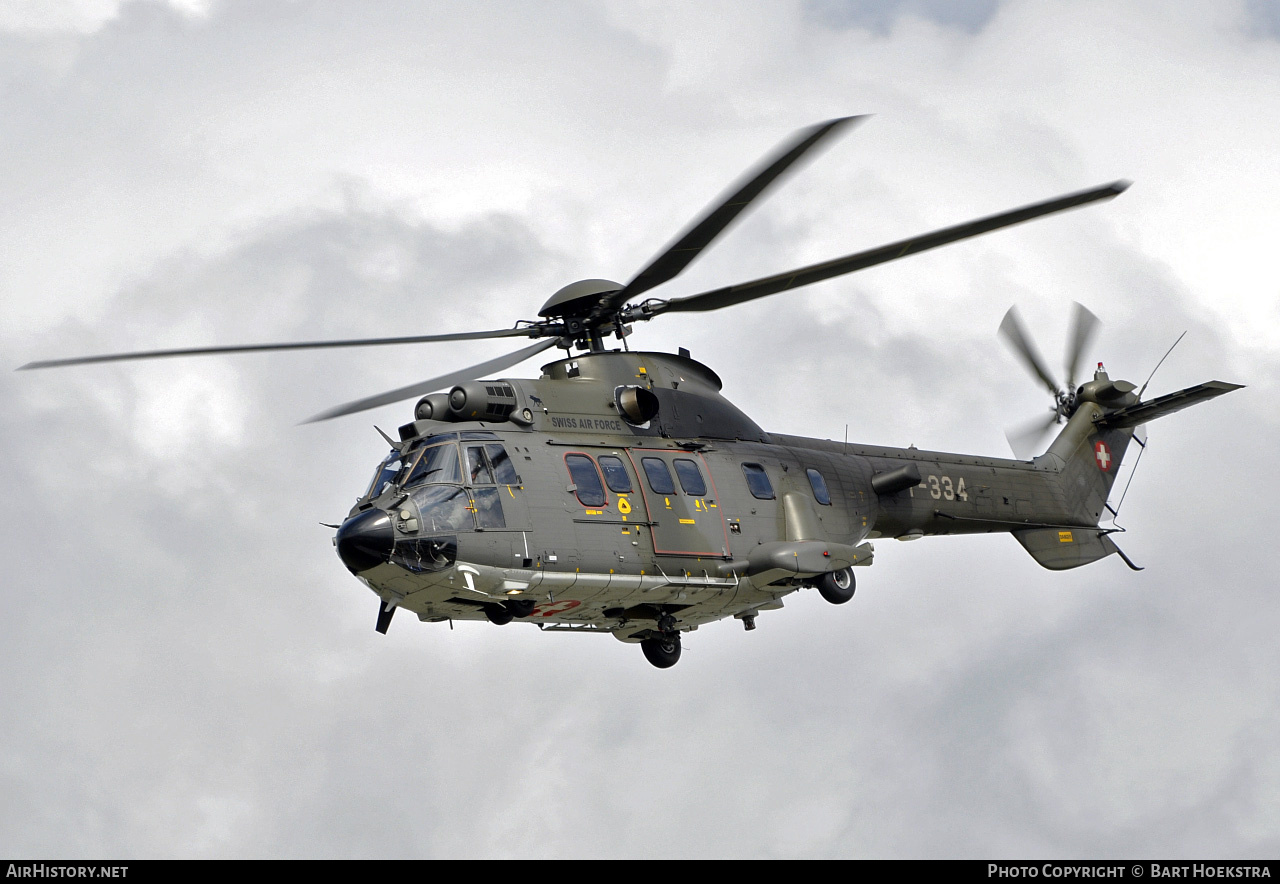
x=880 y=16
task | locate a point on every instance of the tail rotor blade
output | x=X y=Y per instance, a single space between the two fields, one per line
x=1084 y=325
x=1024 y=440
x=1013 y=331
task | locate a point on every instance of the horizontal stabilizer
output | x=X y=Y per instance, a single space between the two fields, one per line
x=1059 y=549
x=1149 y=411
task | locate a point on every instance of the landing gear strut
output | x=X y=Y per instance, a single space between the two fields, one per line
x=664 y=651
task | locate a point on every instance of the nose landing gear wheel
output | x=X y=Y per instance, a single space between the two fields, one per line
x=662 y=652
x=837 y=586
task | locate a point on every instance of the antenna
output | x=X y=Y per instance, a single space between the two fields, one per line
x=1158 y=364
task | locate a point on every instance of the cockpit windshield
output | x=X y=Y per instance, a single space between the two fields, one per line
x=431 y=464
x=432 y=461
x=446 y=497
x=386 y=471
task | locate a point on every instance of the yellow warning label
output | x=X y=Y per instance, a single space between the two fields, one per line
x=1064 y=537
x=595 y=512
x=688 y=522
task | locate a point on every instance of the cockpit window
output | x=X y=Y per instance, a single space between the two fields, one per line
x=488 y=507
x=477 y=467
x=502 y=465
x=436 y=464
x=385 y=473
x=444 y=508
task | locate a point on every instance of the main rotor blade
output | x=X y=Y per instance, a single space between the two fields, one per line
x=1084 y=325
x=424 y=387
x=717 y=217
x=748 y=291
x=1020 y=341
x=259 y=348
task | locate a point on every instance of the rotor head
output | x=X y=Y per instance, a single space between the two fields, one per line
x=578 y=299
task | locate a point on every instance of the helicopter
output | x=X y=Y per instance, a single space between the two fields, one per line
x=621 y=493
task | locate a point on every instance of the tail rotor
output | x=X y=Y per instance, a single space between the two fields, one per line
x=1025 y=439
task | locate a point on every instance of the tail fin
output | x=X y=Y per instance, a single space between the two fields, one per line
x=1087 y=455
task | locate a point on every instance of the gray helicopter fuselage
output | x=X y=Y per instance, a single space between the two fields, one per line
x=570 y=504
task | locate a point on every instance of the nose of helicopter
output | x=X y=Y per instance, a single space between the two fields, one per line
x=365 y=540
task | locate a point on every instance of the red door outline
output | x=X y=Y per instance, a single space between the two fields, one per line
x=642 y=479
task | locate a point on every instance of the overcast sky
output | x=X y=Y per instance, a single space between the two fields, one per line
x=189 y=671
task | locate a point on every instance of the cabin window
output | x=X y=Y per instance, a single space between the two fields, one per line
x=819 y=486
x=503 y=468
x=437 y=464
x=615 y=474
x=582 y=470
x=690 y=477
x=659 y=476
x=758 y=481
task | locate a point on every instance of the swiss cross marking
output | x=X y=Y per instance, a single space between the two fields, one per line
x=556 y=608
x=1102 y=454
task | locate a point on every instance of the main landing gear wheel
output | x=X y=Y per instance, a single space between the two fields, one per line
x=498 y=614
x=662 y=652
x=521 y=607
x=837 y=586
